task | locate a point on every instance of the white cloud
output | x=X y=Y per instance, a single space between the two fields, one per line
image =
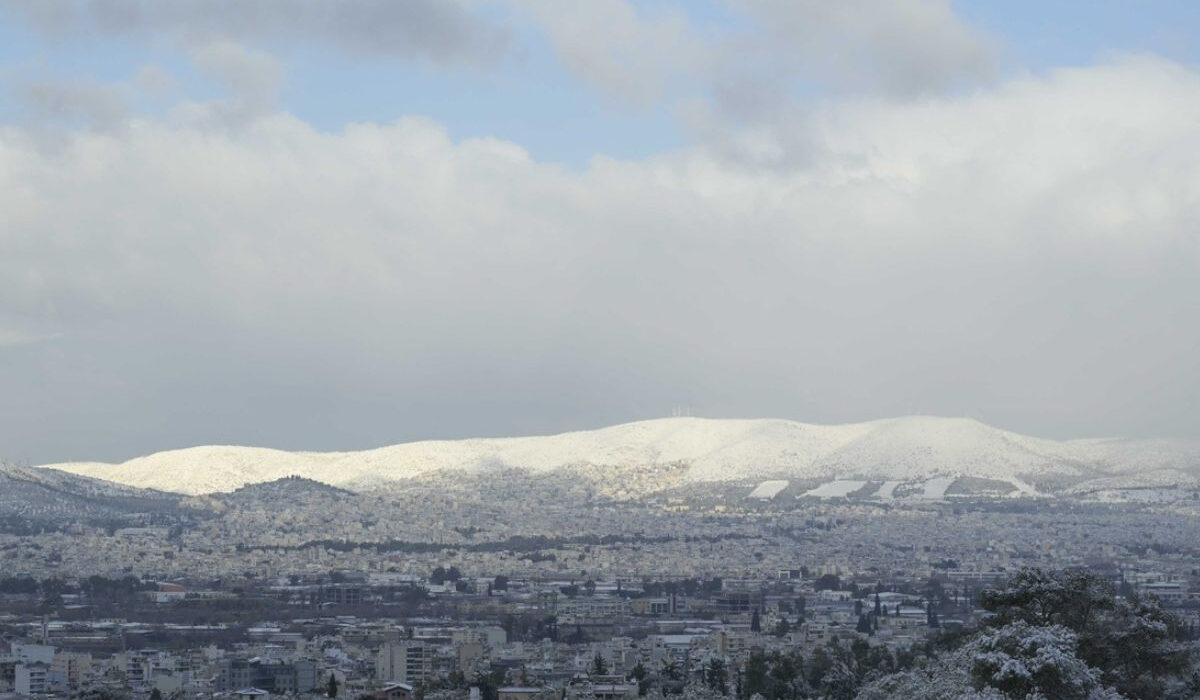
x=1025 y=253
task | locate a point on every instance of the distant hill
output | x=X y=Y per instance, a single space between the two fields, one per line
x=289 y=488
x=697 y=450
x=31 y=498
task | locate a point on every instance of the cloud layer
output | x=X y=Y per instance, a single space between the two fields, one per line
x=440 y=31
x=1025 y=254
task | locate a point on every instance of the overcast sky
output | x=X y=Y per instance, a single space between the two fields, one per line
x=315 y=225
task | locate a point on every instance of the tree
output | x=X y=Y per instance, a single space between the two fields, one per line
x=101 y=693
x=1136 y=645
x=671 y=677
x=818 y=666
x=786 y=678
x=489 y=684
x=500 y=583
x=1052 y=634
x=331 y=687
x=934 y=590
x=943 y=678
x=827 y=582
x=755 y=623
x=783 y=627
x=578 y=636
x=599 y=665
x=1021 y=661
x=715 y=675
x=839 y=683
x=755 y=678
x=640 y=675
x=1069 y=598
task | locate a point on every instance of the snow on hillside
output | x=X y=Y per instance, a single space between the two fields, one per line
x=712 y=450
x=768 y=489
x=915 y=447
x=67 y=483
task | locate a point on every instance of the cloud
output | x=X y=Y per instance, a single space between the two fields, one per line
x=771 y=51
x=251 y=78
x=99 y=105
x=901 y=48
x=748 y=68
x=440 y=31
x=10 y=335
x=634 y=55
x=1025 y=254
x=154 y=81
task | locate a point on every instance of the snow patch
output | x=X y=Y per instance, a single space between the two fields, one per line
x=768 y=489
x=935 y=489
x=839 y=488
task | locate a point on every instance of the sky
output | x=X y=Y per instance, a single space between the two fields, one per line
x=339 y=225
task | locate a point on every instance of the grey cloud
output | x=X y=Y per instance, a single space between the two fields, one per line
x=763 y=79
x=251 y=79
x=900 y=47
x=154 y=81
x=635 y=55
x=989 y=255
x=897 y=48
x=74 y=103
x=442 y=31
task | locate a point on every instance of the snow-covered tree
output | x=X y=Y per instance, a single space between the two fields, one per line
x=1133 y=642
x=1021 y=660
x=945 y=677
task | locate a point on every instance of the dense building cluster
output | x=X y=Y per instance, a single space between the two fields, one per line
x=447 y=634
x=294 y=588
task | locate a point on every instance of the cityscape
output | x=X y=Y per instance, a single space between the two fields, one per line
x=511 y=584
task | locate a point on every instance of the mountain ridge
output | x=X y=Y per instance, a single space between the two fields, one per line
x=906 y=448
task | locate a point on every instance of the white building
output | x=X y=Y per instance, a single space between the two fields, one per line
x=32 y=678
x=404 y=662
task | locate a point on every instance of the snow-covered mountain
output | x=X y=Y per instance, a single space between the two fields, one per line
x=707 y=450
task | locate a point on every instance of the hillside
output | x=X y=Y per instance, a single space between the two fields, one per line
x=709 y=450
x=35 y=498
